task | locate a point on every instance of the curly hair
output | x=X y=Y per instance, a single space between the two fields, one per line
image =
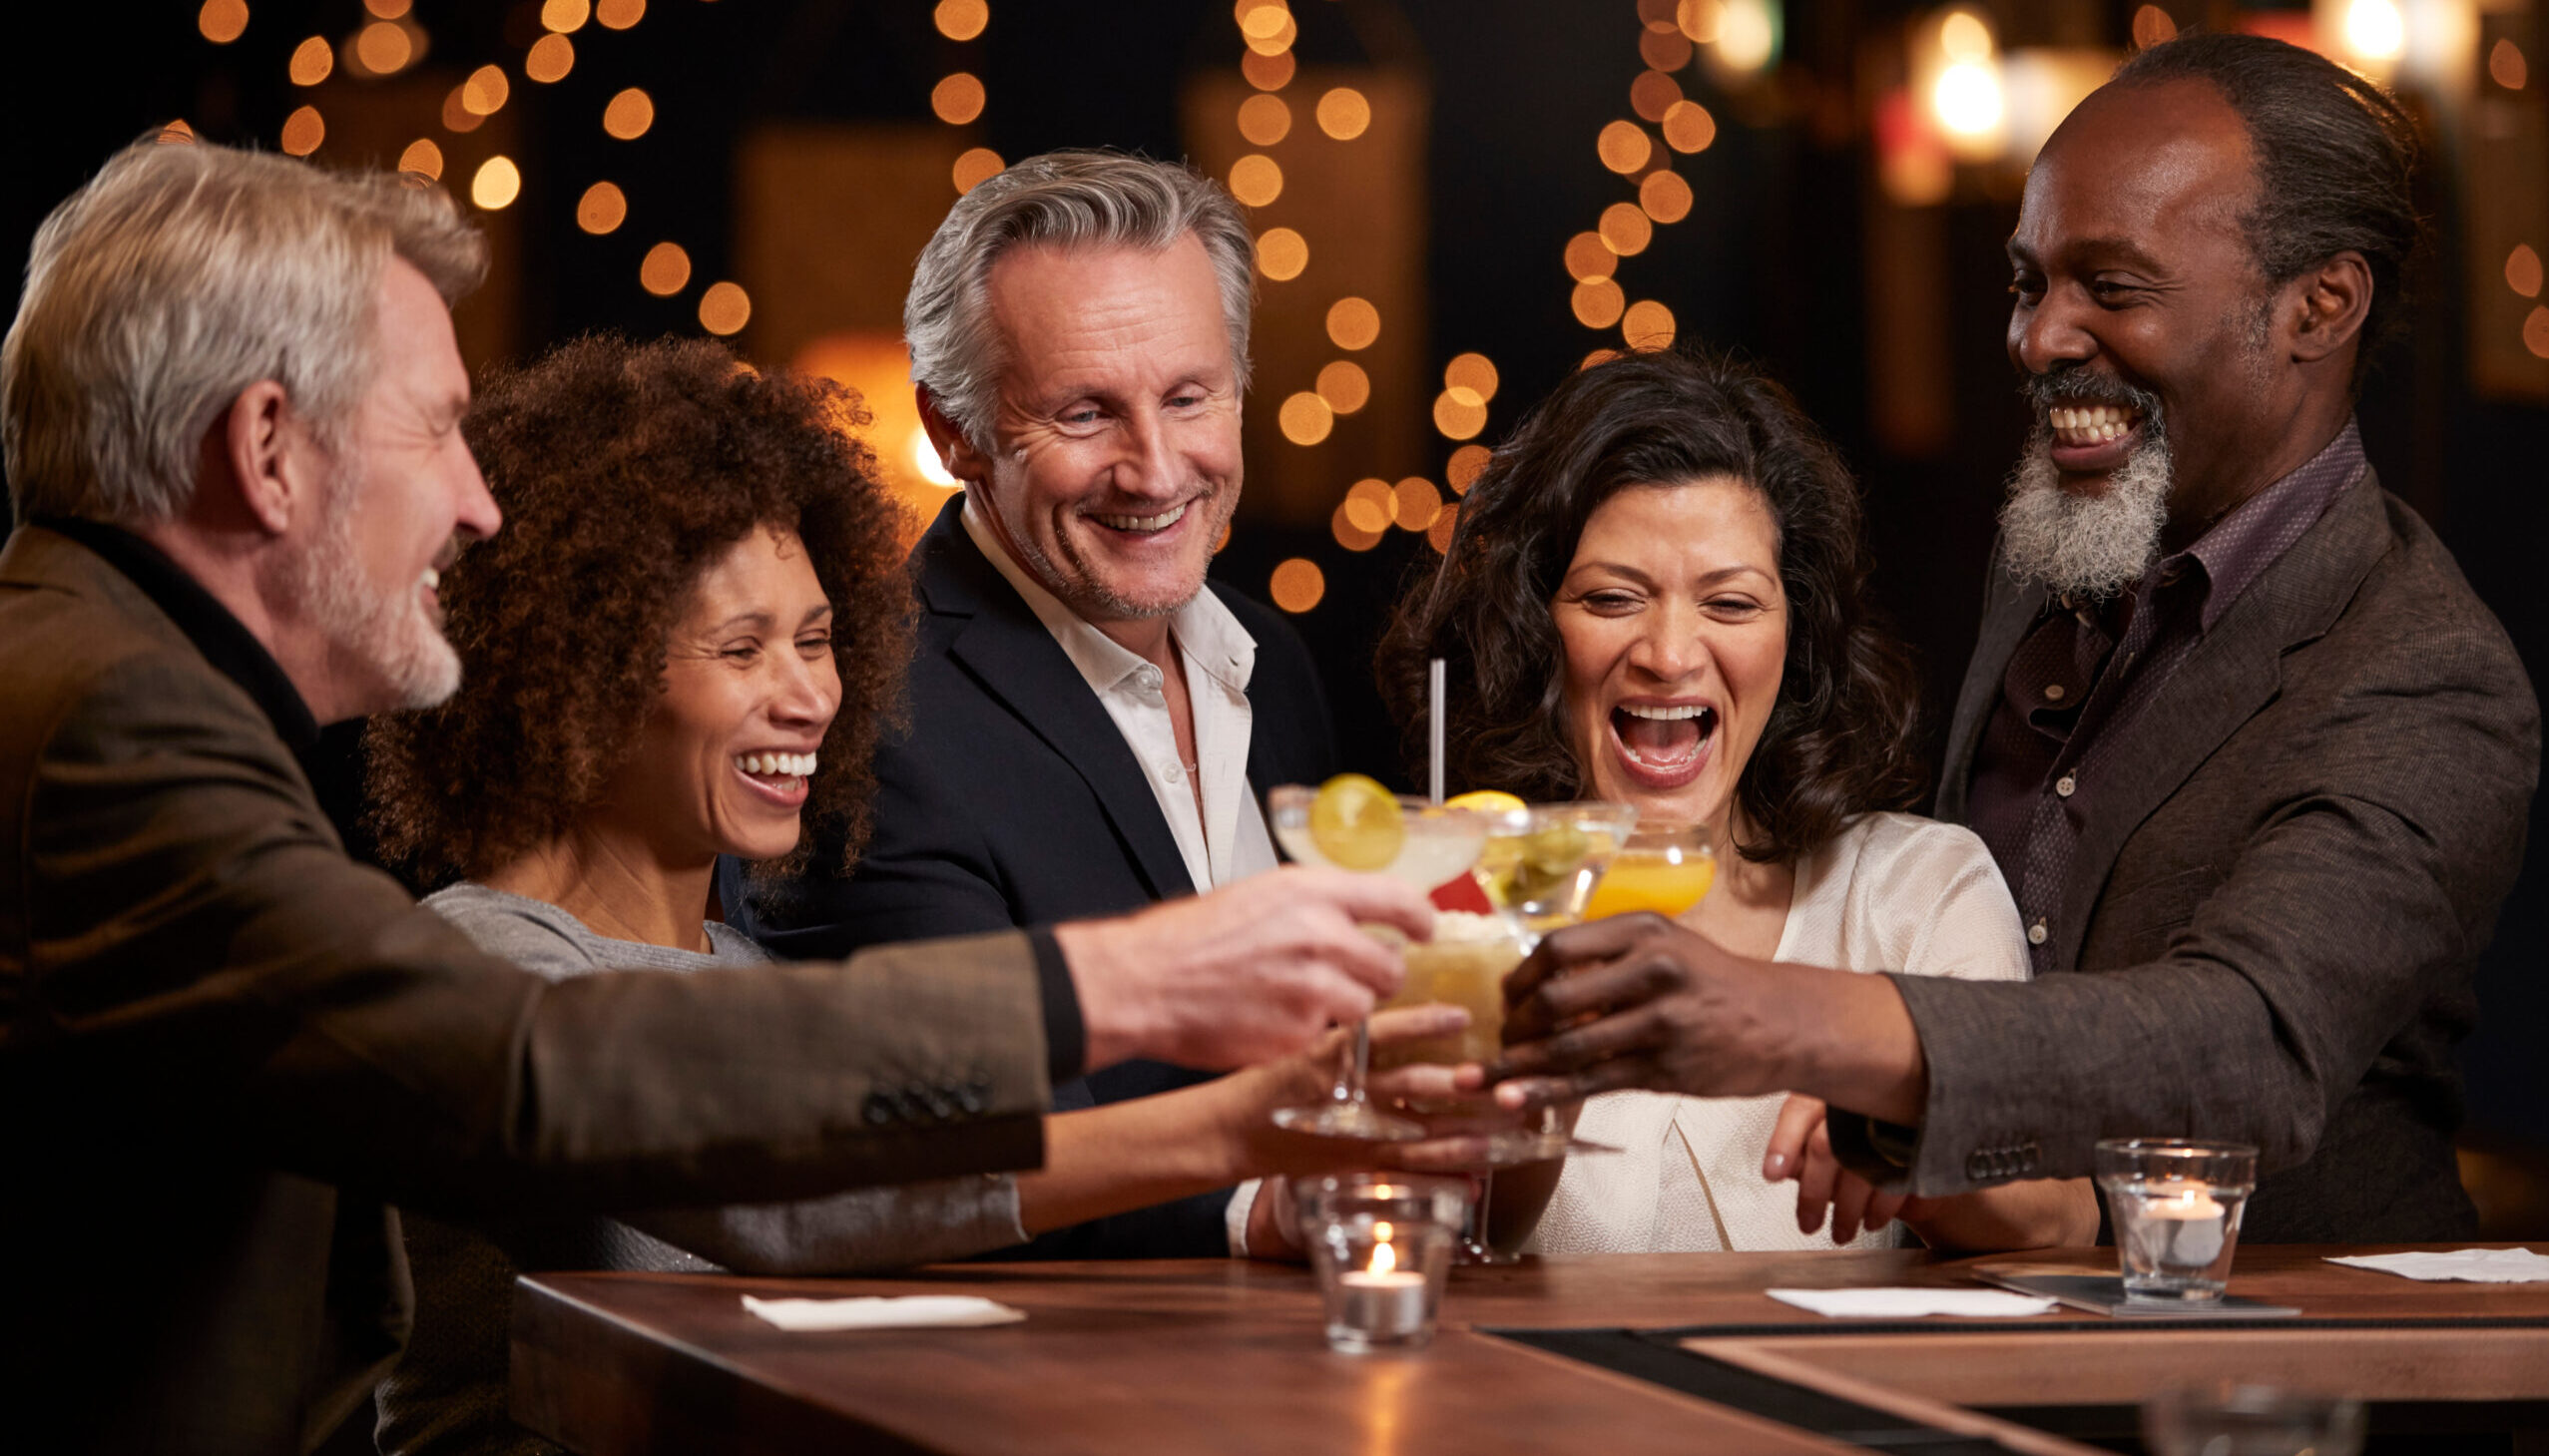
x=625 y=472
x=1838 y=739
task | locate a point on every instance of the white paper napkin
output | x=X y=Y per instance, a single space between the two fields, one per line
x=1901 y=1303
x=2478 y=1265
x=908 y=1311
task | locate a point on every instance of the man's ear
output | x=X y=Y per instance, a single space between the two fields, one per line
x=955 y=452
x=259 y=456
x=2332 y=301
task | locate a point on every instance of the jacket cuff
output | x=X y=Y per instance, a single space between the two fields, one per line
x=1066 y=1036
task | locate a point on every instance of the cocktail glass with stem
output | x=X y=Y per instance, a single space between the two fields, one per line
x=1435 y=844
x=1663 y=866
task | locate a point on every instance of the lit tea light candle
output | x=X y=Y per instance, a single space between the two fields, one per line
x=2179 y=1199
x=1384 y=1301
x=2186 y=1226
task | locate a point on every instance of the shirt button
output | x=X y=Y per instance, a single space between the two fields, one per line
x=2053 y=691
x=1173 y=774
x=2036 y=933
x=2066 y=785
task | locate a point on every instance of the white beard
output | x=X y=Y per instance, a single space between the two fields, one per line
x=2085 y=545
x=383 y=640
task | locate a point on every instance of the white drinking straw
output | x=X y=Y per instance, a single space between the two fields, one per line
x=1433 y=730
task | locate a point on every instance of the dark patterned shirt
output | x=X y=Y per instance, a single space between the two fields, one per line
x=2080 y=678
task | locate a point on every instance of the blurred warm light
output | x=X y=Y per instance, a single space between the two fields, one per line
x=1282 y=253
x=1261 y=19
x=565 y=15
x=2152 y=26
x=1352 y=324
x=976 y=167
x=1281 y=42
x=958 y=99
x=1344 y=113
x=2522 y=271
x=628 y=115
x=1701 y=20
x=602 y=208
x=551 y=58
x=1653 y=94
x=1438 y=535
x=1748 y=36
x=1626 y=229
x=1597 y=356
x=1264 y=119
x=1344 y=385
x=303 y=132
x=1414 y=503
x=1349 y=532
x=497 y=183
x=1964 y=37
x=620 y=14
x=875 y=366
x=2506 y=66
x=1306 y=418
x=1268 y=73
x=665 y=268
x=2374 y=30
x=1298 y=584
x=383 y=47
x=1647 y=325
x=1598 y=303
x=1589 y=257
x=1467 y=465
x=423 y=158
x=1255 y=181
x=1668 y=51
x=2535 y=332
x=1473 y=373
x=456 y=115
x=1371 y=505
x=1967 y=98
x=312 y=60
x=177 y=134
x=1665 y=196
x=724 y=308
x=1687 y=127
x=485 y=90
x=961 y=20
x=389 y=9
x=222 y=21
x=1458 y=418
x=1623 y=146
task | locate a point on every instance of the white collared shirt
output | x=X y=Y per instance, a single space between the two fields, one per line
x=1229 y=840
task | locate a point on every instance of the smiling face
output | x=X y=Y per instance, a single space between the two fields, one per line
x=2141 y=321
x=749 y=687
x=1117 y=424
x=402 y=495
x=1674 y=624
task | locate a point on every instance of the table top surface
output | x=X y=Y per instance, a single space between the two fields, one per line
x=1228 y=1355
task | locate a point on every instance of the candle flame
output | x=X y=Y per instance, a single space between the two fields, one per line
x=1384 y=1257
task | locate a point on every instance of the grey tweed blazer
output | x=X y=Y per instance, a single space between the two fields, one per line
x=2270 y=926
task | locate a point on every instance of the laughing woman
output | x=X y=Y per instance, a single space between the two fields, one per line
x=1657 y=596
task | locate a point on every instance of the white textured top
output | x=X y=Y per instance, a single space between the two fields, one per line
x=1893 y=892
x=1230 y=840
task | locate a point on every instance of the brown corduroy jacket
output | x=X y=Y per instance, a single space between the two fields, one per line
x=2270 y=926
x=227 y=1050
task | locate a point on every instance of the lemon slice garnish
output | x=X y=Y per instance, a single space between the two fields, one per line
x=1356 y=823
x=1485 y=802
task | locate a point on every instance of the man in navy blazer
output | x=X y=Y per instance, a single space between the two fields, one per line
x=1090 y=727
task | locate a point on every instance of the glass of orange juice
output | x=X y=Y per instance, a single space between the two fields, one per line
x=1664 y=867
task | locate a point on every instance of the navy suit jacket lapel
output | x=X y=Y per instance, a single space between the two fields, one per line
x=1016 y=660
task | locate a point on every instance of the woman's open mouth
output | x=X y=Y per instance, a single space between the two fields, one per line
x=781 y=778
x=1664 y=746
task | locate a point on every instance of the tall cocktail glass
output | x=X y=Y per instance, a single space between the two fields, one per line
x=1435 y=845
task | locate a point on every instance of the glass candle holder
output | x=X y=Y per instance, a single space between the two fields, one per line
x=2176 y=1205
x=2231 y=1419
x=1381 y=1245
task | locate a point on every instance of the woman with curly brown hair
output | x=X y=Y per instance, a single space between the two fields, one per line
x=682 y=645
x=1657 y=595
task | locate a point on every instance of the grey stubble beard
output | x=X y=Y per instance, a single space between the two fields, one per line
x=2090 y=546
x=379 y=636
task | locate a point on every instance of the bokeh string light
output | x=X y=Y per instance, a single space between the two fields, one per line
x=960 y=98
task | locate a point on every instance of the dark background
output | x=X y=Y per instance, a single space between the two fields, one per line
x=1771 y=264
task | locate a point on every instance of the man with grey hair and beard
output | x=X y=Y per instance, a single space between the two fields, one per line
x=1092 y=726
x=2253 y=760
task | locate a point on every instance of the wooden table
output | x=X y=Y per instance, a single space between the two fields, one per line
x=1221 y=1356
